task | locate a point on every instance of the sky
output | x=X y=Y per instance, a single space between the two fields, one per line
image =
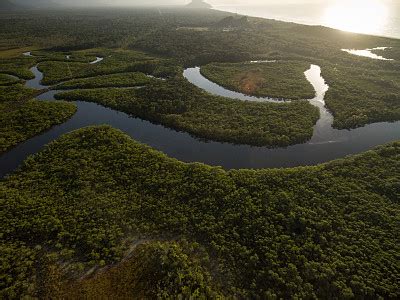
x=182 y=2
x=212 y=2
x=177 y=2
x=215 y=2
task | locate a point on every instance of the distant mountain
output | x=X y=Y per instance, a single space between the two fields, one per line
x=199 y=4
x=7 y=5
x=233 y=22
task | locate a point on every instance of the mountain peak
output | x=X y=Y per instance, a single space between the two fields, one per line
x=199 y=4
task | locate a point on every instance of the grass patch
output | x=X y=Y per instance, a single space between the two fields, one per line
x=15 y=52
x=282 y=80
x=46 y=55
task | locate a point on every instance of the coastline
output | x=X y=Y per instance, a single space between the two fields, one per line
x=258 y=11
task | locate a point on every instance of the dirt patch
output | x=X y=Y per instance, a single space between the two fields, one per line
x=250 y=82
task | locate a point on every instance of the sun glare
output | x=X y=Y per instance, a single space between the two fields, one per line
x=363 y=16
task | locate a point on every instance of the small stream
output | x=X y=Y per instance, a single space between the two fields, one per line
x=368 y=53
x=97 y=60
x=326 y=144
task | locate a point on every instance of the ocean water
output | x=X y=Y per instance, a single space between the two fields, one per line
x=383 y=19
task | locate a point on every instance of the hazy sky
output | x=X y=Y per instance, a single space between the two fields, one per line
x=212 y=2
x=216 y=2
x=181 y=2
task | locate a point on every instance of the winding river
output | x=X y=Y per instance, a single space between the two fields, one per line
x=326 y=144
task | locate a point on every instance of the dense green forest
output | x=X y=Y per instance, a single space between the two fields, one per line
x=389 y=53
x=17 y=66
x=8 y=80
x=329 y=231
x=22 y=118
x=178 y=104
x=97 y=214
x=15 y=94
x=113 y=80
x=272 y=79
x=358 y=96
x=33 y=117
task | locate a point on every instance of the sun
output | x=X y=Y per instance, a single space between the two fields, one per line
x=363 y=16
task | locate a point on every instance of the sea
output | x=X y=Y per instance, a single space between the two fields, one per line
x=362 y=20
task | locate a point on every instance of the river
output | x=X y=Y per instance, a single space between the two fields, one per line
x=326 y=144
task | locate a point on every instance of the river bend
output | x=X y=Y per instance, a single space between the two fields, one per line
x=326 y=144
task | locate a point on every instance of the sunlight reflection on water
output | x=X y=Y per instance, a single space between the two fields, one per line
x=367 y=53
x=364 y=16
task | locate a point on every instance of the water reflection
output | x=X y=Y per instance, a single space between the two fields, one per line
x=363 y=16
x=194 y=76
x=367 y=53
x=97 y=60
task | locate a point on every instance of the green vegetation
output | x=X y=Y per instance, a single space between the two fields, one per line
x=113 y=80
x=389 y=53
x=179 y=105
x=15 y=94
x=275 y=79
x=329 y=231
x=153 y=270
x=17 y=67
x=43 y=55
x=8 y=52
x=29 y=119
x=114 y=62
x=22 y=118
x=358 y=96
x=8 y=80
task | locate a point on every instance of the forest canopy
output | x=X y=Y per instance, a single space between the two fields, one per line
x=97 y=213
x=313 y=232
